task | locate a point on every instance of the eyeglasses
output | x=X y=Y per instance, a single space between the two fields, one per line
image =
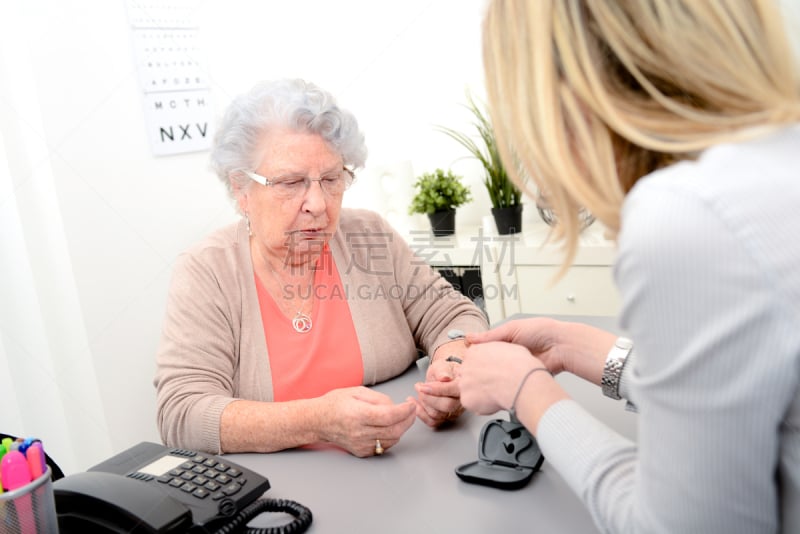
x=293 y=186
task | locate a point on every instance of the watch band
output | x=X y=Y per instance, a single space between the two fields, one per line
x=615 y=362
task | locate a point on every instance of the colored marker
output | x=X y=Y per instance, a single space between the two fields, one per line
x=36 y=460
x=16 y=474
x=14 y=470
x=25 y=443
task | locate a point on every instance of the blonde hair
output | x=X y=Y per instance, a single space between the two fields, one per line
x=588 y=96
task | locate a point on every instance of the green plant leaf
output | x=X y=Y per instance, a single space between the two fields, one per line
x=438 y=191
x=502 y=191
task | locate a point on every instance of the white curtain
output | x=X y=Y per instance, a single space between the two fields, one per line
x=90 y=225
x=48 y=386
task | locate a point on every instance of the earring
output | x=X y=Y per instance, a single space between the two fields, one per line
x=249 y=231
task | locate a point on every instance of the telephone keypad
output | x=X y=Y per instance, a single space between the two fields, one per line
x=231 y=488
x=201 y=493
x=202 y=476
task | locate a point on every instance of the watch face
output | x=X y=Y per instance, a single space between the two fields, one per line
x=624 y=343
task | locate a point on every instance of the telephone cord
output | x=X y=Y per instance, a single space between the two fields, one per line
x=302 y=517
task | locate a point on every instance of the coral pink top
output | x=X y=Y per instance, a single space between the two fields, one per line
x=328 y=356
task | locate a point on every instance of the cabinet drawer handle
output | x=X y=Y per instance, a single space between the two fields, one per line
x=571 y=297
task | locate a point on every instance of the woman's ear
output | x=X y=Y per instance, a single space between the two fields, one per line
x=240 y=193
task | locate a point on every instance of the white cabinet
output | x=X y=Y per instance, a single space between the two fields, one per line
x=583 y=290
x=518 y=271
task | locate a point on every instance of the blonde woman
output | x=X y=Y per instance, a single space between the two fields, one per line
x=676 y=124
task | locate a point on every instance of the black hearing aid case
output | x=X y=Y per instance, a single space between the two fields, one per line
x=508 y=456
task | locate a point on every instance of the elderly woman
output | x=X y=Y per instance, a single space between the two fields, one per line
x=274 y=324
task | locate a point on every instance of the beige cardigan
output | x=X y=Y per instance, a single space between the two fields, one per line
x=213 y=349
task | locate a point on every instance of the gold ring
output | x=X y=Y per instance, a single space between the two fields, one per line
x=378 y=448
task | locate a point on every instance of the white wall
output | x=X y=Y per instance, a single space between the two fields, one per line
x=91 y=222
x=401 y=67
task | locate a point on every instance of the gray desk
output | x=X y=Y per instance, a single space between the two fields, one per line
x=413 y=487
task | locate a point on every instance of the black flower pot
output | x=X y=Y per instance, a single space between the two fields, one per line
x=508 y=219
x=443 y=222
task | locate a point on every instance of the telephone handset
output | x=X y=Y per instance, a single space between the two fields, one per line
x=150 y=488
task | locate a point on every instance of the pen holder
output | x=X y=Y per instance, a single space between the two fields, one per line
x=30 y=509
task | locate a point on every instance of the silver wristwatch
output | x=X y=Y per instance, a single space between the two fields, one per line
x=612 y=371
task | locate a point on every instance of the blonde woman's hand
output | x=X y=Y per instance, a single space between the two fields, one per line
x=561 y=346
x=493 y=376
x=490 y=375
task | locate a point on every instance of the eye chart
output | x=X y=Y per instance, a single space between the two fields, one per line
x=175 y=92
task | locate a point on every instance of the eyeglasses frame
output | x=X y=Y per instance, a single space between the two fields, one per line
x=266 y=182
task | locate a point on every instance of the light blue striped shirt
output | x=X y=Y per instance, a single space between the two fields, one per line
x=708 y=271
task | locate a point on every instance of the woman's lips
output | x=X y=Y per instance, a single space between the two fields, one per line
x=315 y=233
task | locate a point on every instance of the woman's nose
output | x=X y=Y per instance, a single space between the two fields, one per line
x=314 y=199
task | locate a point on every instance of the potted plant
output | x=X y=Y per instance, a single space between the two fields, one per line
x=506 y=197
x=438 y=194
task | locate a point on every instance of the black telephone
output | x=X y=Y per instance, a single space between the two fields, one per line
x=150 y=488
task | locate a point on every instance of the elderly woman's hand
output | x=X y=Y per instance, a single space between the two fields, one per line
x=357 y=418
x=439 y=396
